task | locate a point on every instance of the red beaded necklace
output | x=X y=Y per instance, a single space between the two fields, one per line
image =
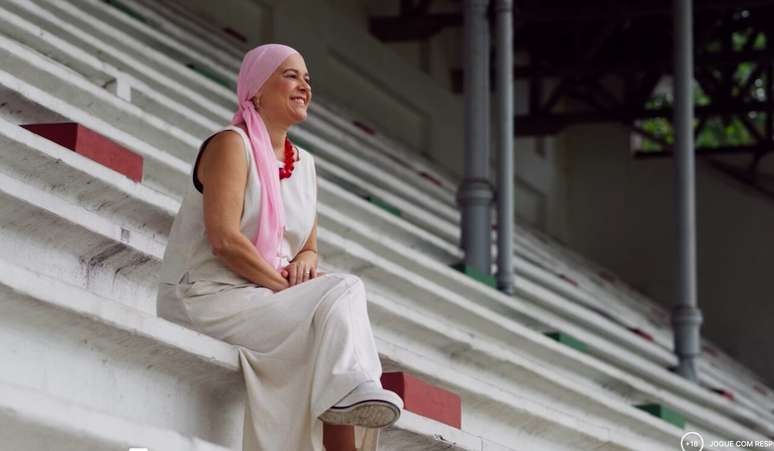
x=287 y=170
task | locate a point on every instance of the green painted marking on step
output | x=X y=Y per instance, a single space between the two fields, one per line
x=568 y=340
x=128 y=11
x=211 y=75
x=380 y=203
x=472 y=272
x=665 y=413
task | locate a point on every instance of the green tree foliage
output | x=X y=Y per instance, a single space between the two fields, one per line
x=716 y=131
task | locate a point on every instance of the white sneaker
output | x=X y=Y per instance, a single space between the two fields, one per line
x=368 y=405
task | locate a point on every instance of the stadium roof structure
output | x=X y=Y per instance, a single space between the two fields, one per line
x=602 y=61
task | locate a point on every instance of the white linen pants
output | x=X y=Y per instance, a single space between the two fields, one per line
x=301 y=350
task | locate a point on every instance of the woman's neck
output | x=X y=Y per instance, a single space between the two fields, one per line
x=278 y=143
x=277 y=136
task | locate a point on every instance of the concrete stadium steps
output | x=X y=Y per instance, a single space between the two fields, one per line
x=393 y=251
x=137 y=46
x=410 y=197
x=391 y=155
x=534 y=250
x=525 y=255
x=162 y=34
x=544 y=261
x=449 y=231
x=39 y=71
x=664 y=337
x=465 y=313
x=337 y=206
x=411 y=212
x=627 y=308
x=322 y=164
x=119 y=332
x=100 y=73
x=118 y=45
x=586 y=283
x=178 y=21
x=34 y=421
x=358 y=156
x=357 y=255
x=92 y=226
x=159 y=367
x=529 y=289
x=162 y=171
x=40 y=162
x=74 y=28
x=168 y=13
x=61 y=289
x=530 y=261
x=188 y=143
x=68 y=342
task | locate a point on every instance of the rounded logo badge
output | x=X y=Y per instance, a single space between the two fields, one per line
x=692 y=441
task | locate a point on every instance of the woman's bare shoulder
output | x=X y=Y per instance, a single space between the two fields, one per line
x=223 y=154
x=227 y=144
x=225 y=138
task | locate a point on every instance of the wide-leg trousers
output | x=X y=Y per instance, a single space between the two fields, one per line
x=301 y=350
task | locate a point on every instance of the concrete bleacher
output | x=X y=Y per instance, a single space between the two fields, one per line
x=83 y=245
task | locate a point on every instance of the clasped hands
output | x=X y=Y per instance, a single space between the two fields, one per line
x=302 y=268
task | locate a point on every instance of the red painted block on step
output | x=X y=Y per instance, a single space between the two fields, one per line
x=364 y=127
x=235 y=34
x=724 y=393
x=641 y=333
x=566 y=278
x=92 y=145
x=425 y=399
x=431 y=178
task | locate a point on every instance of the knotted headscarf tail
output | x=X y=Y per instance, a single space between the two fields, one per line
x=257 y=66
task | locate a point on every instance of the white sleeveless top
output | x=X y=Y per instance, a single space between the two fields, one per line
x=189 y=255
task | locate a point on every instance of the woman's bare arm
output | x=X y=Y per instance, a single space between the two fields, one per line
x=304 y=265
x=222 y=171
x=311 y=242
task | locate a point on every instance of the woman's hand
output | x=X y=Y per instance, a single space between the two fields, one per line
x=302 y=268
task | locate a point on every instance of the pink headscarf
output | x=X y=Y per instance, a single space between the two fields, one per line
x=257 y=66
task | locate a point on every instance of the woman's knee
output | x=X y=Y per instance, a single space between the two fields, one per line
x=349 y=280
x=351 y=285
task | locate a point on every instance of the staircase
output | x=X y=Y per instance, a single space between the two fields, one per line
x=88 y=365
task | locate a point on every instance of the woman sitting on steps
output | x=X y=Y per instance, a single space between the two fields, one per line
x=241 y=266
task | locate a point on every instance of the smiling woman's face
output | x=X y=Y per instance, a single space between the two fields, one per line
x=285 y=96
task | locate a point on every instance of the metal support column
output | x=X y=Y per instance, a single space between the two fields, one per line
x=504 y=98
x=475 y=192
x=686 y=317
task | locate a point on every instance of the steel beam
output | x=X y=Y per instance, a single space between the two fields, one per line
x=475 y=192
x=504 y=84
x=686 y=317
